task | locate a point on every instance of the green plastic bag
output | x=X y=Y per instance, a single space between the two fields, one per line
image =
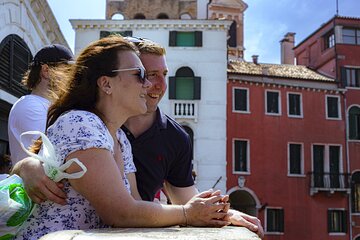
x=15 y=206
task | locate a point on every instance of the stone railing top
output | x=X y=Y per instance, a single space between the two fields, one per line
x=188 y=233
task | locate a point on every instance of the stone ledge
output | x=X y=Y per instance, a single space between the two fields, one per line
x=188 y=233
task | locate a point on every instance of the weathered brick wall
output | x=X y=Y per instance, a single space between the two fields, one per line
x=151 y=8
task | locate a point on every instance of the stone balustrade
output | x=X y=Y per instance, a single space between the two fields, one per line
x=175 y=233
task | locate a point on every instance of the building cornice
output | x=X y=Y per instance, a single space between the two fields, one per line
x=173 y=24
x=46 y=19
x=301 y=84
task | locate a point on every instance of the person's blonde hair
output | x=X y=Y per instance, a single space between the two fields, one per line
x=150 y=47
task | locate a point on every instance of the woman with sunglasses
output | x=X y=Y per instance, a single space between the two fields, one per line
x=106 y=86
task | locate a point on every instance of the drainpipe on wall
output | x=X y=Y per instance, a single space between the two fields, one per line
x=348 y=162
x=346 y=126
x=207 y=9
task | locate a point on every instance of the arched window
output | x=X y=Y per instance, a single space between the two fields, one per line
x=184 y=86
x=15 y=57
x=139 y=16
x=243 y=201
x=162 y=16
x=232 y=33
x=354 y=123
x=185 y=16
x=117 y=16
x=355 y=192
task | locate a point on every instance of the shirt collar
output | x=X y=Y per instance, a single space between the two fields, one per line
x=161 y=119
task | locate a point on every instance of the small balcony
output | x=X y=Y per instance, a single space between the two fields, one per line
x=187 y=109
x=329 y=182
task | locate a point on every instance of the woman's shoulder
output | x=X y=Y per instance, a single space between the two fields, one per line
x=75 y=121
x=80 y=117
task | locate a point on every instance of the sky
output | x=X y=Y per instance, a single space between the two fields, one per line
x=265 y=21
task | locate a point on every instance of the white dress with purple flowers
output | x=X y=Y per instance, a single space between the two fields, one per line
x=73 y=131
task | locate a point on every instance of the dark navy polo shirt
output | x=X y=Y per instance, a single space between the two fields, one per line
x=163 y=152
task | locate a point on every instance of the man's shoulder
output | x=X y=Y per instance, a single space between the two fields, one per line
x=29 y=104
x=173 y=127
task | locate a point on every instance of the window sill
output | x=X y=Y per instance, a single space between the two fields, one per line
x=296 y=116
x=273 y=114
x=352 y=88
x=243 y=112
x=337 y=234
x=274 y=233
x=297 y=175
x=241 y=173
x=333 y=119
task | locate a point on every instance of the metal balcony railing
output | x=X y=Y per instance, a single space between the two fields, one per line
x=330 y=182
x=185 y=109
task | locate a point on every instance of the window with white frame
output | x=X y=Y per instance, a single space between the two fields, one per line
x=350 y=76
x=329 y=40
x=295 y=159
x=327 y=166
x=337 y=221
x=241 y=156
x=354 y=123
x=274 y=221
x=333 y=108
x=272 y=102
x=294 y=105
x=241 y=100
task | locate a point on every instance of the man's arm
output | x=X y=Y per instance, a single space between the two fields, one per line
x=37 y=185
x=180 y=195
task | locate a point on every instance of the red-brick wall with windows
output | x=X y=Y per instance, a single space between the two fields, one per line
x=305 y=215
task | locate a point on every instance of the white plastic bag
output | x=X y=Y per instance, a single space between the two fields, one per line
x=53 y=169
x=15 y=206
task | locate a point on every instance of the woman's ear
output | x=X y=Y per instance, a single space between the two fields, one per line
x=104 y=84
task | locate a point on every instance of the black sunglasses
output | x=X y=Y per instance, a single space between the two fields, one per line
x=141 y=73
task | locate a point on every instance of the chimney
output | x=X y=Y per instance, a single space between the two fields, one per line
x=287 y=45
x=255 y=58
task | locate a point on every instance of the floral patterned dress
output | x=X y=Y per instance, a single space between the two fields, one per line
x=73 y=131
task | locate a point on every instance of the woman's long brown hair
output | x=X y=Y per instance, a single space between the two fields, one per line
x=80 y=90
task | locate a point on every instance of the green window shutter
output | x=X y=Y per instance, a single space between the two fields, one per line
x=172 y=38
x=197 y=88
x=172 y=87
x=240 y=160
x=104 y=34
x=198 y=38
x=343 y=79
x=185 y=39
x=354 y=123
x=333 y=108
x=185 y=88
x=240 y=100
x=281 y=220
x=295 y=159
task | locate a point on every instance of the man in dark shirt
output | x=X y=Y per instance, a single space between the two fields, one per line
x=162 y=149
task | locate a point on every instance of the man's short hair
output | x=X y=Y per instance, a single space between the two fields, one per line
x=145 y=45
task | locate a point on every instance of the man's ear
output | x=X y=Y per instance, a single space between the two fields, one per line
x=104 y=84
x=44 y=73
